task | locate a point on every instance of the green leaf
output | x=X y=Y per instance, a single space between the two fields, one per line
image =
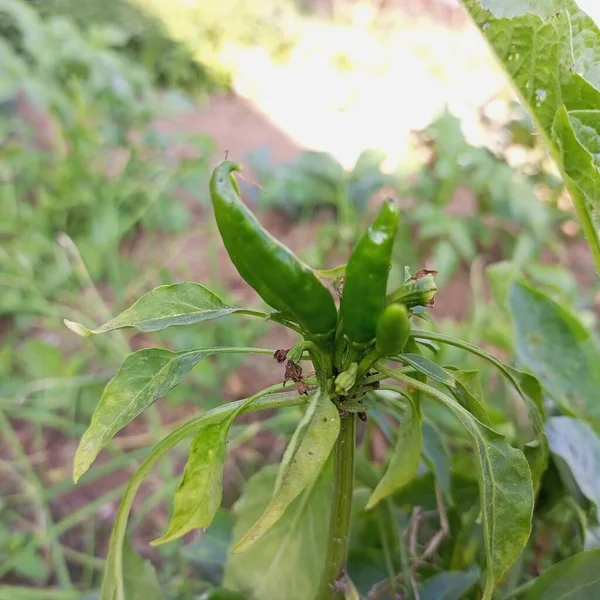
x=429 y=368
x=113 y=583
x=139 y=580
x=449 y=585
x=536 y=451
x=505 y=486
x=199 y=495
x=167 y=305
x=143 y=377
x=291 y=557
x=576 y=578
x=551 y=51
x=579 y=446
x=301 y=464
x=405 y=458
x=528 y=388
x=558 y=349
x=470 y=394
x=578 y=136
x=436 y=456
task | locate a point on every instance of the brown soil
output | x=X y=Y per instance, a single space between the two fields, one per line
x=237 y=128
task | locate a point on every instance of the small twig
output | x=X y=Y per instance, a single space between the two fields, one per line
x=439 y=496
x=415 y=587
x=432 y=546
x=437 y=539
x=413 y=529
x=418 y=515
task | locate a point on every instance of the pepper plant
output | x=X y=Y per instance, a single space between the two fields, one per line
x=350 y=360
x=365 y=358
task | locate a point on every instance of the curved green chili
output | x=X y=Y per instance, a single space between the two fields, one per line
x=279 y=277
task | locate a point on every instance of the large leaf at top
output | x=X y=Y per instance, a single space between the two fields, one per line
x=290 y=558
x=302 y=462
x=576 y=443
x=178 y=304
x=551 y=51
x=143 y=377
x=557 y=349
x=505 y=486
x=405 y=457
x=576 y=578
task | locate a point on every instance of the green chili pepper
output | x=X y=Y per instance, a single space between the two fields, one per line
x=366 y=278
x=393 y=330
x=278 y=276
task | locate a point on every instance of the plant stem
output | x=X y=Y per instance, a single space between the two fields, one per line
x=367 y=362
x=334 y=581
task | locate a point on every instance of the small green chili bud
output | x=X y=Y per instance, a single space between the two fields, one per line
x=393 y=330
x=419 y=290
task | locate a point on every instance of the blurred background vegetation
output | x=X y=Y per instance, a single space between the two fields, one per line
x=111 y=115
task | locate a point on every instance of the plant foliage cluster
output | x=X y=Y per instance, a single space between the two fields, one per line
x=422 y=459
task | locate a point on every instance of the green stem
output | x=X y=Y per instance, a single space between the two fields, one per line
x=367 y=362
x=334 y=583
